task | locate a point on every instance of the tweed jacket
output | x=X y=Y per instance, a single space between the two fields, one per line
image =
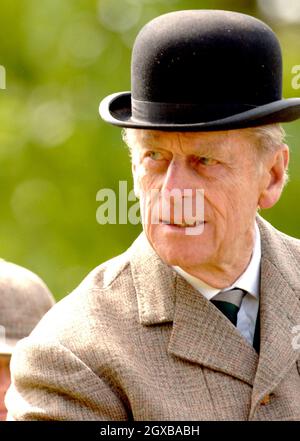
x=135 y=341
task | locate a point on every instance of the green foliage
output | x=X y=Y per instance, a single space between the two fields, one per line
x=61 y=59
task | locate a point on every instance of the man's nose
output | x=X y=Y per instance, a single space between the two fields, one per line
x=177 y=177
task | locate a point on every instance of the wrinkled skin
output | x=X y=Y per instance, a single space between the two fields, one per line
x=236 y=178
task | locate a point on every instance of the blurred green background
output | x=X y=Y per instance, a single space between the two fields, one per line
x=61 y=58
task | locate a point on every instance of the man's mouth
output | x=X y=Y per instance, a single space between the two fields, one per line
x=186 y=224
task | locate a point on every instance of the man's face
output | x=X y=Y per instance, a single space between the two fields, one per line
x=4 y=383
x=226 y=166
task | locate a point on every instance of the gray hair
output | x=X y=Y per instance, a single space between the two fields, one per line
x=269 y=138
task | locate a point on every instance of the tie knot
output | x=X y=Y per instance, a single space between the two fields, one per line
x=234 y=296
x=229 y=302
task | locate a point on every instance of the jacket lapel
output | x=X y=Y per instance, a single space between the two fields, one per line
x=279 y=312
x=200 y=332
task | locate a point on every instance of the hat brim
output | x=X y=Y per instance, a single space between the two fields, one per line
x=116 y=109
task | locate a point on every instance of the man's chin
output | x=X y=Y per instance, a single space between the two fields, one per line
x=178 y=249
x=178 y=256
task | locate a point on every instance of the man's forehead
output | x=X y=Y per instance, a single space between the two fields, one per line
x=208 y=139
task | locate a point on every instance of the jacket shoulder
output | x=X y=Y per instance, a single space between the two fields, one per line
x=108 y=272
x=282 y=251
x=277 y=240
x=101 y=299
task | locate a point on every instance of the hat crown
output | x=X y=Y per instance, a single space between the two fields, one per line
x=24 y=300
x=218 y=59
x=203 y=70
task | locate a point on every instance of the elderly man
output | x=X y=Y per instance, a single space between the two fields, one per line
x=185 y=326
x=24 y=299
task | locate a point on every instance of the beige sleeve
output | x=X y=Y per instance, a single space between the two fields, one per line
x=49 y=382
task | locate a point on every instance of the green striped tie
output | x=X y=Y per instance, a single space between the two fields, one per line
x=256 y=340
x=229 y=302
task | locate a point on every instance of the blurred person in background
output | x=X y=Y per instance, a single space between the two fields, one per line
x=24 y=299
x=185 y=327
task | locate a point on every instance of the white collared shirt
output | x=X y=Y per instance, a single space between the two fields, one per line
x=249 y=281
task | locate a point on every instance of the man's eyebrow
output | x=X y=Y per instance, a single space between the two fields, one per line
x=149 y=137
x=204 y=146
x=211 y=148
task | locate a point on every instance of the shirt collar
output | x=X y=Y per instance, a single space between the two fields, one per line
x=249 y=280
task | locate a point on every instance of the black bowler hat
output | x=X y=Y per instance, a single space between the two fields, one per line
x=203 y=70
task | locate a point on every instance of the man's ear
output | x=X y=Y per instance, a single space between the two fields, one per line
x=275 y=177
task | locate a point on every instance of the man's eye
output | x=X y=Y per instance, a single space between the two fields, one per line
x=156 y=156
x=207 y=161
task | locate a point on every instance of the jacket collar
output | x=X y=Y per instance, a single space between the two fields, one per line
x=154 y=283
x=201 y=334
